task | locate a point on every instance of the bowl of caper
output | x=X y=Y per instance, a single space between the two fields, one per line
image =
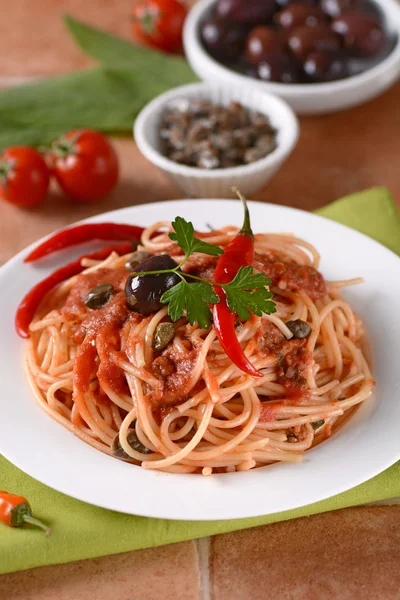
x=210 y=138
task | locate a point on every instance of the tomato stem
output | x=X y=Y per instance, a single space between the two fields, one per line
x=5 y=168
x=147 y=22
x=65 y=146
x=148 y=19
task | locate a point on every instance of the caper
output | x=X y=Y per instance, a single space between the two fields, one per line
x=135 y=259
x=163 y=335
x=134 y=443
x=299 y=328
x=99 y=295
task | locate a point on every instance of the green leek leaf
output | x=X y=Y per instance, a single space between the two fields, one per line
x=106 y=98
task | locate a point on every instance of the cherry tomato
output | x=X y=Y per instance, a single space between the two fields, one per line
x=24 y=176
x=85 y=165
x=158 y=23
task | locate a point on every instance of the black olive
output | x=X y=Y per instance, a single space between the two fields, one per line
x=299 y=328
x=163 y=335
x=135 y=259
x=99 y=295
x=143 y=292
x=224 y=40
x=134 y=443
x=245 y=11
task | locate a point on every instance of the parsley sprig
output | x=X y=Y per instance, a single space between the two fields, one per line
x=247 y=293
x=183 y=235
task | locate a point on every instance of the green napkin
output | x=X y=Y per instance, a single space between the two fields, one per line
x=84 y=531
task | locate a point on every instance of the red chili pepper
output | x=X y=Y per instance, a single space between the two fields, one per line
x=31 y=301
x=85 y=233
x=15 y=511
x=239 y=253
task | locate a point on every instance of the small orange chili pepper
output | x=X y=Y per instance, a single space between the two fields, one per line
x=15 y=511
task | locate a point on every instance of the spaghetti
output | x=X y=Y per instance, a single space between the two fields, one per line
x=187 y=408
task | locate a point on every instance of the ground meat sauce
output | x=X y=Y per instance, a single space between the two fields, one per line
x=294 y=365
x=201 y=265
x=292 y=277
x=283 y=275
x=271 y=338
x=162 y=367
x=294 y=359
x=296 y=434
x=176 y=373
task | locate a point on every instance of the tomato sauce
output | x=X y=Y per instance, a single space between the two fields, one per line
x=84 y=367
x=176 y=373
x=268 y=412
x=75 y=303
x=99 y=330
x=108 y=373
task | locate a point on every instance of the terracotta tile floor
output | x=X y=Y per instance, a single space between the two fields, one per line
x=154 y=574
x=347 y=555
x=344 y=555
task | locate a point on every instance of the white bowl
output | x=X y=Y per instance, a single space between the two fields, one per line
x=218 y=183
x=316 y=98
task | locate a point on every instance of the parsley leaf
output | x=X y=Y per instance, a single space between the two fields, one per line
x=192 y=297
x=317 y=424
x=185 y=238
x=247 y=293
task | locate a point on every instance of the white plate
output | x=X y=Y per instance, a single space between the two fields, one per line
x=366 y=445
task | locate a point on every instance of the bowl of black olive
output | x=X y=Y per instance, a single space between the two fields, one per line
x=319 y=55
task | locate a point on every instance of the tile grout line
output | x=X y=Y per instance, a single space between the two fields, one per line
x=203 y=554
